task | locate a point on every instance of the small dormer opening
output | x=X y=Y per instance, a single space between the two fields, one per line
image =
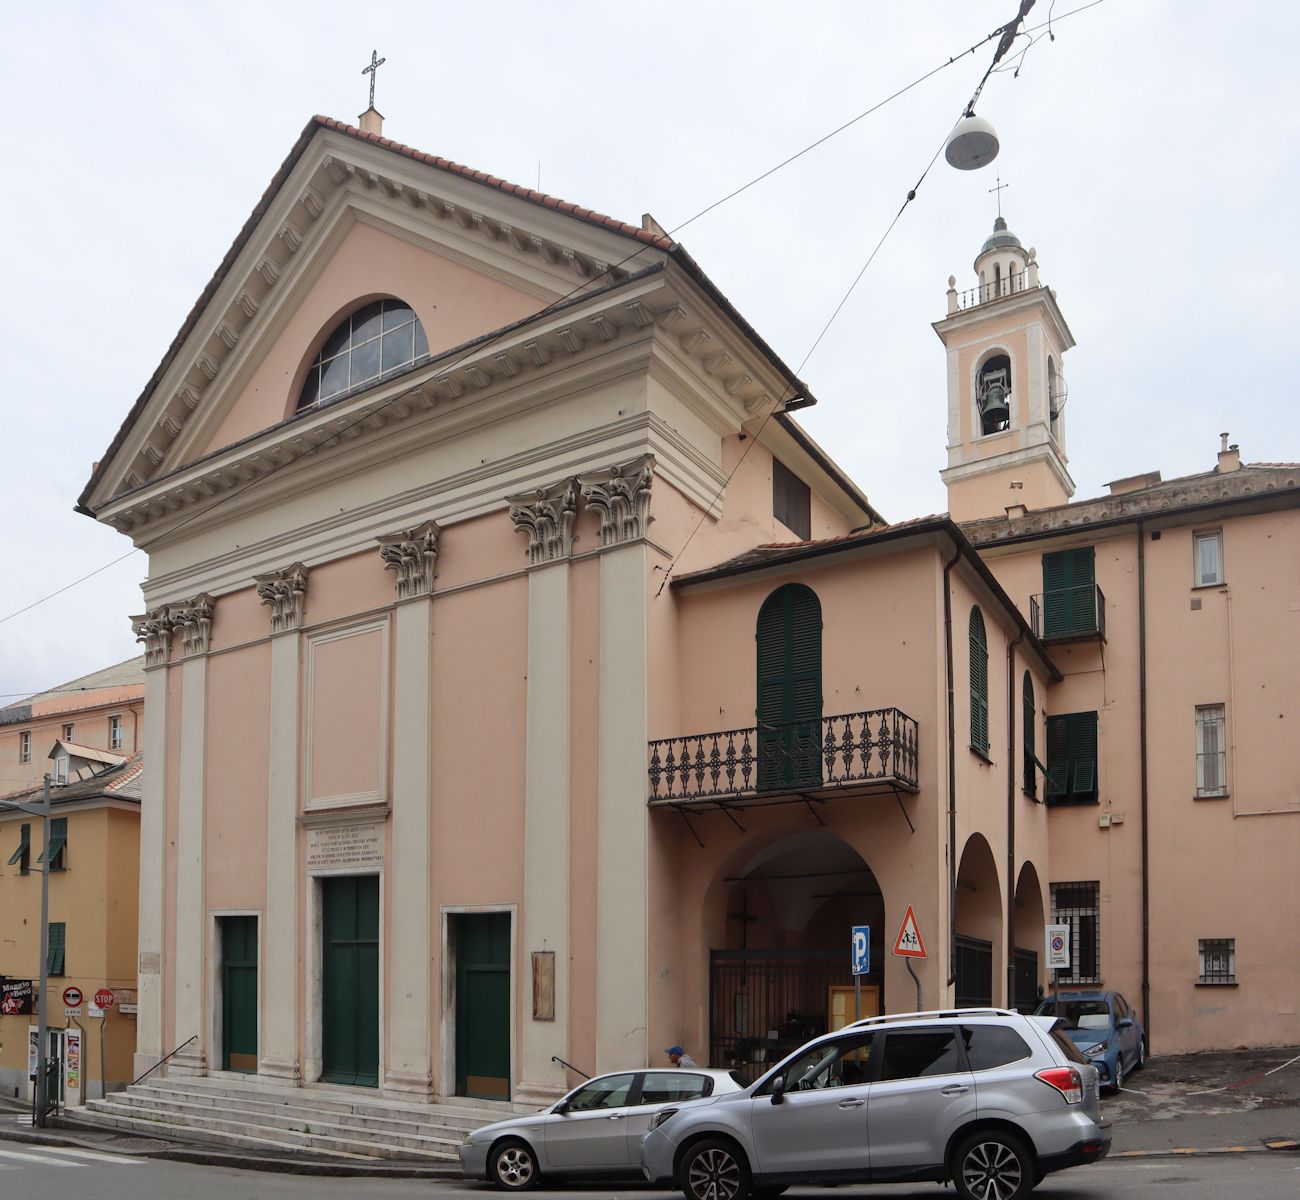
x=993 y=394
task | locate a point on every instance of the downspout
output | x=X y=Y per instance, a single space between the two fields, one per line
x=1142 y=759
x=952 y=772
x=1011 y=818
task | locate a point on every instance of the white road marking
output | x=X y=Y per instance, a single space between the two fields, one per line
x=41 y=1159
x=67 y=1156
x=99 y=1156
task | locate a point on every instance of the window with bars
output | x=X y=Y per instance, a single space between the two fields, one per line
x=1211 y=750
x=1072 y=758
x=1077 y=905
x=791 y=500
x=1218 y=959
x=115 y=733
x=1208 y=558
x=25 y=747
x=979 y=684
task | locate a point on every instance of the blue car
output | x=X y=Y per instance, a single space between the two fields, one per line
x=1105 y=1028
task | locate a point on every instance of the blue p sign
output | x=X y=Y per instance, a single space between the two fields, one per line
x=861 y=949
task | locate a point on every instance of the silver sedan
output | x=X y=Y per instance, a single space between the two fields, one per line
x=595 y=1130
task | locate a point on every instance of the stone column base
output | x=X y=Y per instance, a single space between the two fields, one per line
x=140 y=1063
x=188 y=1062
x=279 y=1068
x=402 y=1085
x=537 y=1095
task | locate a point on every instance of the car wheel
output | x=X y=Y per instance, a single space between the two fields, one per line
x=514 y=1167
x=993 y=1166
x=1118 y=1085
x=715 y=1170
x=1142 y=1056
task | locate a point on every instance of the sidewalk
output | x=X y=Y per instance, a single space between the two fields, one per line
x=1234 y=1101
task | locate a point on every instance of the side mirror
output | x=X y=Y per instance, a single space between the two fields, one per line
x=1125 y=1023
x=778 y=1090
x=561 y=1109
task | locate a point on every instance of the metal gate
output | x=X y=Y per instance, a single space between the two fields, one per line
x=1027 y=996
x=974 y=973
x=765 y=1003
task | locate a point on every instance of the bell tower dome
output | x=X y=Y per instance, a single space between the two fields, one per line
x=1005 y=339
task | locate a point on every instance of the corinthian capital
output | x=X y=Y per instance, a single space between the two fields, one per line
x=411 y=555
x=154 y=629
x=194 y=620
x=285 y=591
x=546 y=516
x=621 y=495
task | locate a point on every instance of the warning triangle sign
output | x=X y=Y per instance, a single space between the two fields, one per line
x=908 y=944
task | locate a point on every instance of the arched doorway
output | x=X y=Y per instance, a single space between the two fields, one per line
x=782 y=974
x=1028 y=925
x=979 y=925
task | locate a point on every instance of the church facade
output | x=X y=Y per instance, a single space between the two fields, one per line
x=524 y=687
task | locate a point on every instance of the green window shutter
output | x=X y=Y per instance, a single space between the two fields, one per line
x=54 y=965
x=1083 y=755
x=1058 y=758
x=24 y=848
x=1069 y=606
x=979 y=683
x=58 y=843
x=789 y=700
x=1028 y=736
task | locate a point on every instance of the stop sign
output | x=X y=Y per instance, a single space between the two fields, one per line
x=104 y=998
x=72 y=996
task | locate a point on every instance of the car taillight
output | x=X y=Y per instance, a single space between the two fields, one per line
x=1065 y=1080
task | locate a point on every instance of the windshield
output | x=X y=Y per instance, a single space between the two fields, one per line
x=1079 y=1014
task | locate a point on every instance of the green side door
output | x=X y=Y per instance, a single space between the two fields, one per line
x=789 y=701
x=350 y=1025
x=239 y=994
x=1069 y=595
x=483 y=1005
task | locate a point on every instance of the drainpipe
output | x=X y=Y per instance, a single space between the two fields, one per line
x=952 y=771
x=1011 y=818
x=1142 y=758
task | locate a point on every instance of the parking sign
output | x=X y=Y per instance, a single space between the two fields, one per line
x=861 y=952
x=1058 y=947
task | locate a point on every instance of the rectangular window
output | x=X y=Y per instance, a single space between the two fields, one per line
x=791 y=500
x=1211 y=750
x=1218 y=960
x=58 y=851
x=67 y=733
x=24 y=747
x=22 y=857
x=1208 y=552
x=61 y=769
x=1076 y=905
x=115 y=733
x=58 y=935
x=1072 y=758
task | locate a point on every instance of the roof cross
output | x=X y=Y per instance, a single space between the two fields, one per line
x=997 y=190
x=373 y=70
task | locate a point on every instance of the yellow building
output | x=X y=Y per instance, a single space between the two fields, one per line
x=94 y=891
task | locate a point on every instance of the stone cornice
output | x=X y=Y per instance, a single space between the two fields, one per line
x=546 y=515
x=621 y=498
x=285 y=592
x=412 y=556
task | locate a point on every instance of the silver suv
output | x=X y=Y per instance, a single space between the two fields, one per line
x=984 y=1098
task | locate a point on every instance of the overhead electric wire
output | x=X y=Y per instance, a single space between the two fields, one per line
x=480 y=346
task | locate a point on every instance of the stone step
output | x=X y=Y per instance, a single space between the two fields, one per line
x=431 y=1120
x=301 y=1126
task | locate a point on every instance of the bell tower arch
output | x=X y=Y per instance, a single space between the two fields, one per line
x=1005 y=339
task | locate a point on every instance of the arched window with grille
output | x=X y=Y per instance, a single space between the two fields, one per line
x=789 y=699
x=979 y=684
x=1028 y=739
x=379 y=339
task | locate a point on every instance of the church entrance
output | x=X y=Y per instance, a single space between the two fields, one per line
x=238 y=993
x=482 y=950
x=350 y=979
x=784 y=975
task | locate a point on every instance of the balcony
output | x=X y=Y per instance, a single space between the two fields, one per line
x=1069 y=614
x=857 y=754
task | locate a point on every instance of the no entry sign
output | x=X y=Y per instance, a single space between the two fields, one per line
x=72 y=997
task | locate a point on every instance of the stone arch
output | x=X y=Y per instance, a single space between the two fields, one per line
x=980 y=931
x=1028 y=922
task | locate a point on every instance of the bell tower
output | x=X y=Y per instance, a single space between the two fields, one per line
x=1005 y=339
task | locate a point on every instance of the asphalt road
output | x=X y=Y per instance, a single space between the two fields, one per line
x=42 y=1173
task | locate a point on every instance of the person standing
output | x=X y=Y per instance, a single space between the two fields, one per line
x=679 y=1058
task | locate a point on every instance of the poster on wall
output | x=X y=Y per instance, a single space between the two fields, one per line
x=72 y=1066
x=16 y=997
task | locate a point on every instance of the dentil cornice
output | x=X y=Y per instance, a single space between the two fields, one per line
x=412 y=556
x=621 y=496
x=546 y=516
x=285 y=592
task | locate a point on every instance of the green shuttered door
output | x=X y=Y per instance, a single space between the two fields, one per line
x=350 y=1043
x=483 y=1005
x=239 y=993
x=789 y=702
x=1069 y=598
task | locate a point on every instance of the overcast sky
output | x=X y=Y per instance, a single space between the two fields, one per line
x=1152 y=152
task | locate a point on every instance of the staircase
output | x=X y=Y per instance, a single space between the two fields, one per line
x=279 y=1120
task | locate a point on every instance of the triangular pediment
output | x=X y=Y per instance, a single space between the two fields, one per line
x=349 y=217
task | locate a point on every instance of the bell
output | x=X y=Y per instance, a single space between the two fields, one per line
x=974 y=144
x=994 y=408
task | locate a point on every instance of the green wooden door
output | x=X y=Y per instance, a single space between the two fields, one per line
x=789 y=702
x=483 y=1005
x=239 y=994
x=350 y=1025
x=1069 y=593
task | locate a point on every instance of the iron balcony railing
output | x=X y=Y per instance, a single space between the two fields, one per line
x=1073 y=612
x=852 y=750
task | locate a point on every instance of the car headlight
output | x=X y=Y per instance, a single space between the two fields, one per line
x=1098 y=1050
x=467 y=1139
x=660 y=1117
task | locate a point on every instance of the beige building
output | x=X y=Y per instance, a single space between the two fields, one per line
x=582 y=703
